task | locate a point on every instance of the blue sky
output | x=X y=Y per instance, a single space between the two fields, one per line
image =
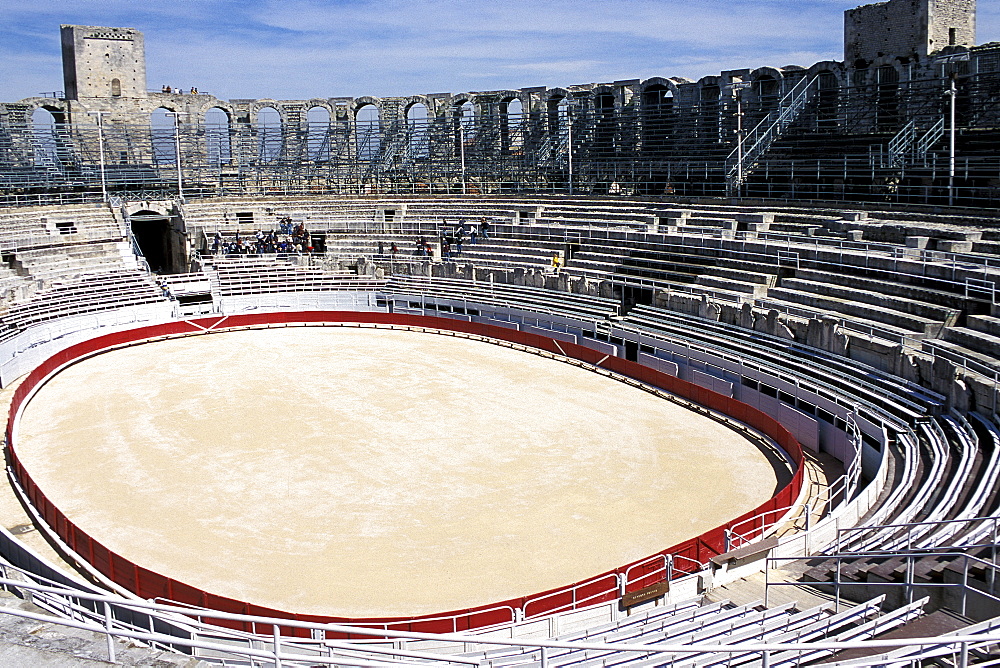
x=299 y=49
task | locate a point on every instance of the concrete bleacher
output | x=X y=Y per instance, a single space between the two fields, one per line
x=721 y=623
x=90 y=293
x=944 y=454
x=259 y=275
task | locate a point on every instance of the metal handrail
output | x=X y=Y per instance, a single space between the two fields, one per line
x=277 y=653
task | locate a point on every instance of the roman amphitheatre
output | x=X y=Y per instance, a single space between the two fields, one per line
x=662 y=371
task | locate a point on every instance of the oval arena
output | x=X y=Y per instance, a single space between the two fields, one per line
x=348 y=472
x=651 y=372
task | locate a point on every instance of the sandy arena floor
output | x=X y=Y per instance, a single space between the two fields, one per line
x=364 y=472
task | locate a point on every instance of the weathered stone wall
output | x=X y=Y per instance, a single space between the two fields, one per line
x=907 y=28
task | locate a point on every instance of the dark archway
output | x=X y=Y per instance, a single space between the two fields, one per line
x=151 y=231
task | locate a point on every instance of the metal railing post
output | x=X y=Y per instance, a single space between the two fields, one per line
x=108 y=634
x=277 y=646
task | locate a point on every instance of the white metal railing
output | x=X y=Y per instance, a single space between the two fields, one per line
x=743 y=158
x=966 y=562
x=217 y=643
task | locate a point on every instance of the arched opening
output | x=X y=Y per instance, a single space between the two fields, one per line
x=604 y=138
x=163 y=129
x=269 y=135
x=708 y=113
x=218 y=146
x=116 y=88
x=768 y=91
x=829 y=100
x=465 y=125
x=151 y=231
x=318 y=134
x=657 y=118
x=45 y=145
x=558 y=108
x=368 y=131
x=886 y=99
x=514 y=121
x=416 y=126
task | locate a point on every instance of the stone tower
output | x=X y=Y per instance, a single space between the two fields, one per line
x=907 y=28
x=103 y=62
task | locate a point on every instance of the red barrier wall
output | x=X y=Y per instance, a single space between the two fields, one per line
x=603 y=587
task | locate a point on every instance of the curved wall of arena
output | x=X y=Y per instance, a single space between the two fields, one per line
x=603 y=587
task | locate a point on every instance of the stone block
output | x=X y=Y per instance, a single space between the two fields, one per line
x=854 y=216
x=855 y=235
x=756 y=217
x=917 y=242
x=954 y=246
x=674 y=217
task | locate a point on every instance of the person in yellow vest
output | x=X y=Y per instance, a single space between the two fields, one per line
x=556 y=262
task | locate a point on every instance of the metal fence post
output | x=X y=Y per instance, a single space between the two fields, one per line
x=107 y=632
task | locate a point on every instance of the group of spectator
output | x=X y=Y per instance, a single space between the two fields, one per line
x=171 y=89
x=287 y=238
x=452 y=240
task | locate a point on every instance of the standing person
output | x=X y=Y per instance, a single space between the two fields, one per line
x=555 y=263
x=381 y=248
x=446 y=249
x=472 y=234
x=484 y=229
x=458 y=242
x=393 y=249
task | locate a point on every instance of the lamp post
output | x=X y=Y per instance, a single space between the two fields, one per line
x=177 y=153
x=461 y=146
x=569 y=145
x=952 y=94
x=100 y=147
x=736 y=86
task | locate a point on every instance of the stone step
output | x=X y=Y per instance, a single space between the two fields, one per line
x=878 y=298
x=981 y=342
x=889 y=317
x=984 y=323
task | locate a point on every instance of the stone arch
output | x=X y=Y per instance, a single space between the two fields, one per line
x=418 y=121
x=266 y=106
x=269 y=126
x=766 y=86
x=409 y=102
x=463 y=114
x=709 y=95
x=163 y=126
x=557 y=109
x=514 y=111
x=44 y=137
x=318 y=131
x=367 y=114
x=829 y=80
x=606 y=104
x=218 y=141
x=116 y=87
x=886 y=78
x=659 y=81
x=656 y=115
